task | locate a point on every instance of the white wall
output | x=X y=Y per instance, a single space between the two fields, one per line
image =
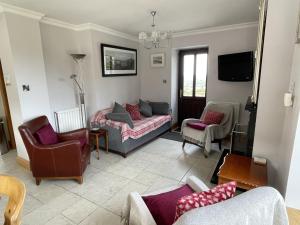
x=275 y=125
x=222 y=42
x=290 y=146
x=57 y=44
x=100 y=92
x=23 y=61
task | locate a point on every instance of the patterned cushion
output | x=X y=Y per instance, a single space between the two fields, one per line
x=212 y=117
x=46 y=135
x=205 y=198
x=134 y=111
x=163 y=206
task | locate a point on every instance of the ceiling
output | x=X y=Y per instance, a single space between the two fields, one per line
x=132 y=16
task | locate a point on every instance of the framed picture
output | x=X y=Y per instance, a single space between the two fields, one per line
x=158 y=60
x=118 y=61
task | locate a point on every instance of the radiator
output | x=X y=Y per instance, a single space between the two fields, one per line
x=70 y=119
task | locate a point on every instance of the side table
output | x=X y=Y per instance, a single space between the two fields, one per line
x=244 y=171
x=95 y=135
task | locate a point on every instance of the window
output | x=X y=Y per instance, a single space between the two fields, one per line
x=194 y=73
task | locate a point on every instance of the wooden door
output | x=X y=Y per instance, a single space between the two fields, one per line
x=8 y=121
x=192 y=83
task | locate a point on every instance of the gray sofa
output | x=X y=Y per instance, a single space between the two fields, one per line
x=123 y=148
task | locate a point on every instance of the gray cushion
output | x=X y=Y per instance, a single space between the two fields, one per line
x=160 y=108
x=120 y=117
x=145 y=108
x=118 y=108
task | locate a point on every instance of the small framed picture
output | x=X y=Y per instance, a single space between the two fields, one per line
x=158 y=60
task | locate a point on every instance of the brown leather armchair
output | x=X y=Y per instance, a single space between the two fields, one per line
x=64 y=160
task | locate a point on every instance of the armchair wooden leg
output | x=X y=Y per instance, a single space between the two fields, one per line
x=80 y=180
x=38 y=181
x=183 y=143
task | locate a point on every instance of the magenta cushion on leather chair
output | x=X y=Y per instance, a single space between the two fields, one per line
x=46 y=135
x=163 y=206
x=197 y=125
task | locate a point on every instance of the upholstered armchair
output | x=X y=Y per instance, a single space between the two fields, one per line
x=66 y=157
x=193 y=131
x=263 y=205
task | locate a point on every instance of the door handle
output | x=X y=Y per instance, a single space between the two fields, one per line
x=180 y=93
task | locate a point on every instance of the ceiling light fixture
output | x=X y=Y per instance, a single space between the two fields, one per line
x=155 y=38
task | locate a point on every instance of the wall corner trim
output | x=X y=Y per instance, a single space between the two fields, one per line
x=215 y=29
x=20 y=11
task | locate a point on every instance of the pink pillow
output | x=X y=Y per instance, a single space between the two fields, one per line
x=46 y=135
x=134 y=111
x=163 y=206
x=197 y=125
x=212 y=117
x=217 y=194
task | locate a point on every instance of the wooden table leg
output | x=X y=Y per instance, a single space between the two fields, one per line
x=106 y=142
x=97 y=146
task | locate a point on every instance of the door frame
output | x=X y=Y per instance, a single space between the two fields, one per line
x=181 y=53
x=3 y=95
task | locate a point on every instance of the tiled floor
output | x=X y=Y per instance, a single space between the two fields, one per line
x=107 y=182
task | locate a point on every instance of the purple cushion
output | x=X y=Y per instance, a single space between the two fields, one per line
x=46 y=135
x=163 y=206
x=197 y=125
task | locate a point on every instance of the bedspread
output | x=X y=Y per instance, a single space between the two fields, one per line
x=141 y=127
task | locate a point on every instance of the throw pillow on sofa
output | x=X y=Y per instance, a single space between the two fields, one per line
x=118 y=108
x=196 y=200
x=145 y=108
x=121 y=117
x=134 y=111
x=160 y=108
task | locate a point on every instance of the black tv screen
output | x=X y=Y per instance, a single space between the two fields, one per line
x=236 y=67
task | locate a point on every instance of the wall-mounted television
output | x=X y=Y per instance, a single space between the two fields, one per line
x=236 y=67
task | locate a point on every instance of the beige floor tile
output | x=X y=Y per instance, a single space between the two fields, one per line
x=60 y=220
x=79 y=211
x=47 y=192
x=101 y=217
x=173 y=169
x=115 y=204
x=147 y=178
x=162 y=183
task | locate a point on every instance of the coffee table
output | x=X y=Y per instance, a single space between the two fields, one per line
x=244 y=171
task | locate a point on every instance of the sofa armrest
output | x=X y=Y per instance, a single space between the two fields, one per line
x=136 y=211
x=74 y=135
x=196 y=184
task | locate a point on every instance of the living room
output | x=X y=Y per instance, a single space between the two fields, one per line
x=42 y=47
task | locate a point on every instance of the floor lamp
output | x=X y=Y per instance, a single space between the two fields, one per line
x=78 y=58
